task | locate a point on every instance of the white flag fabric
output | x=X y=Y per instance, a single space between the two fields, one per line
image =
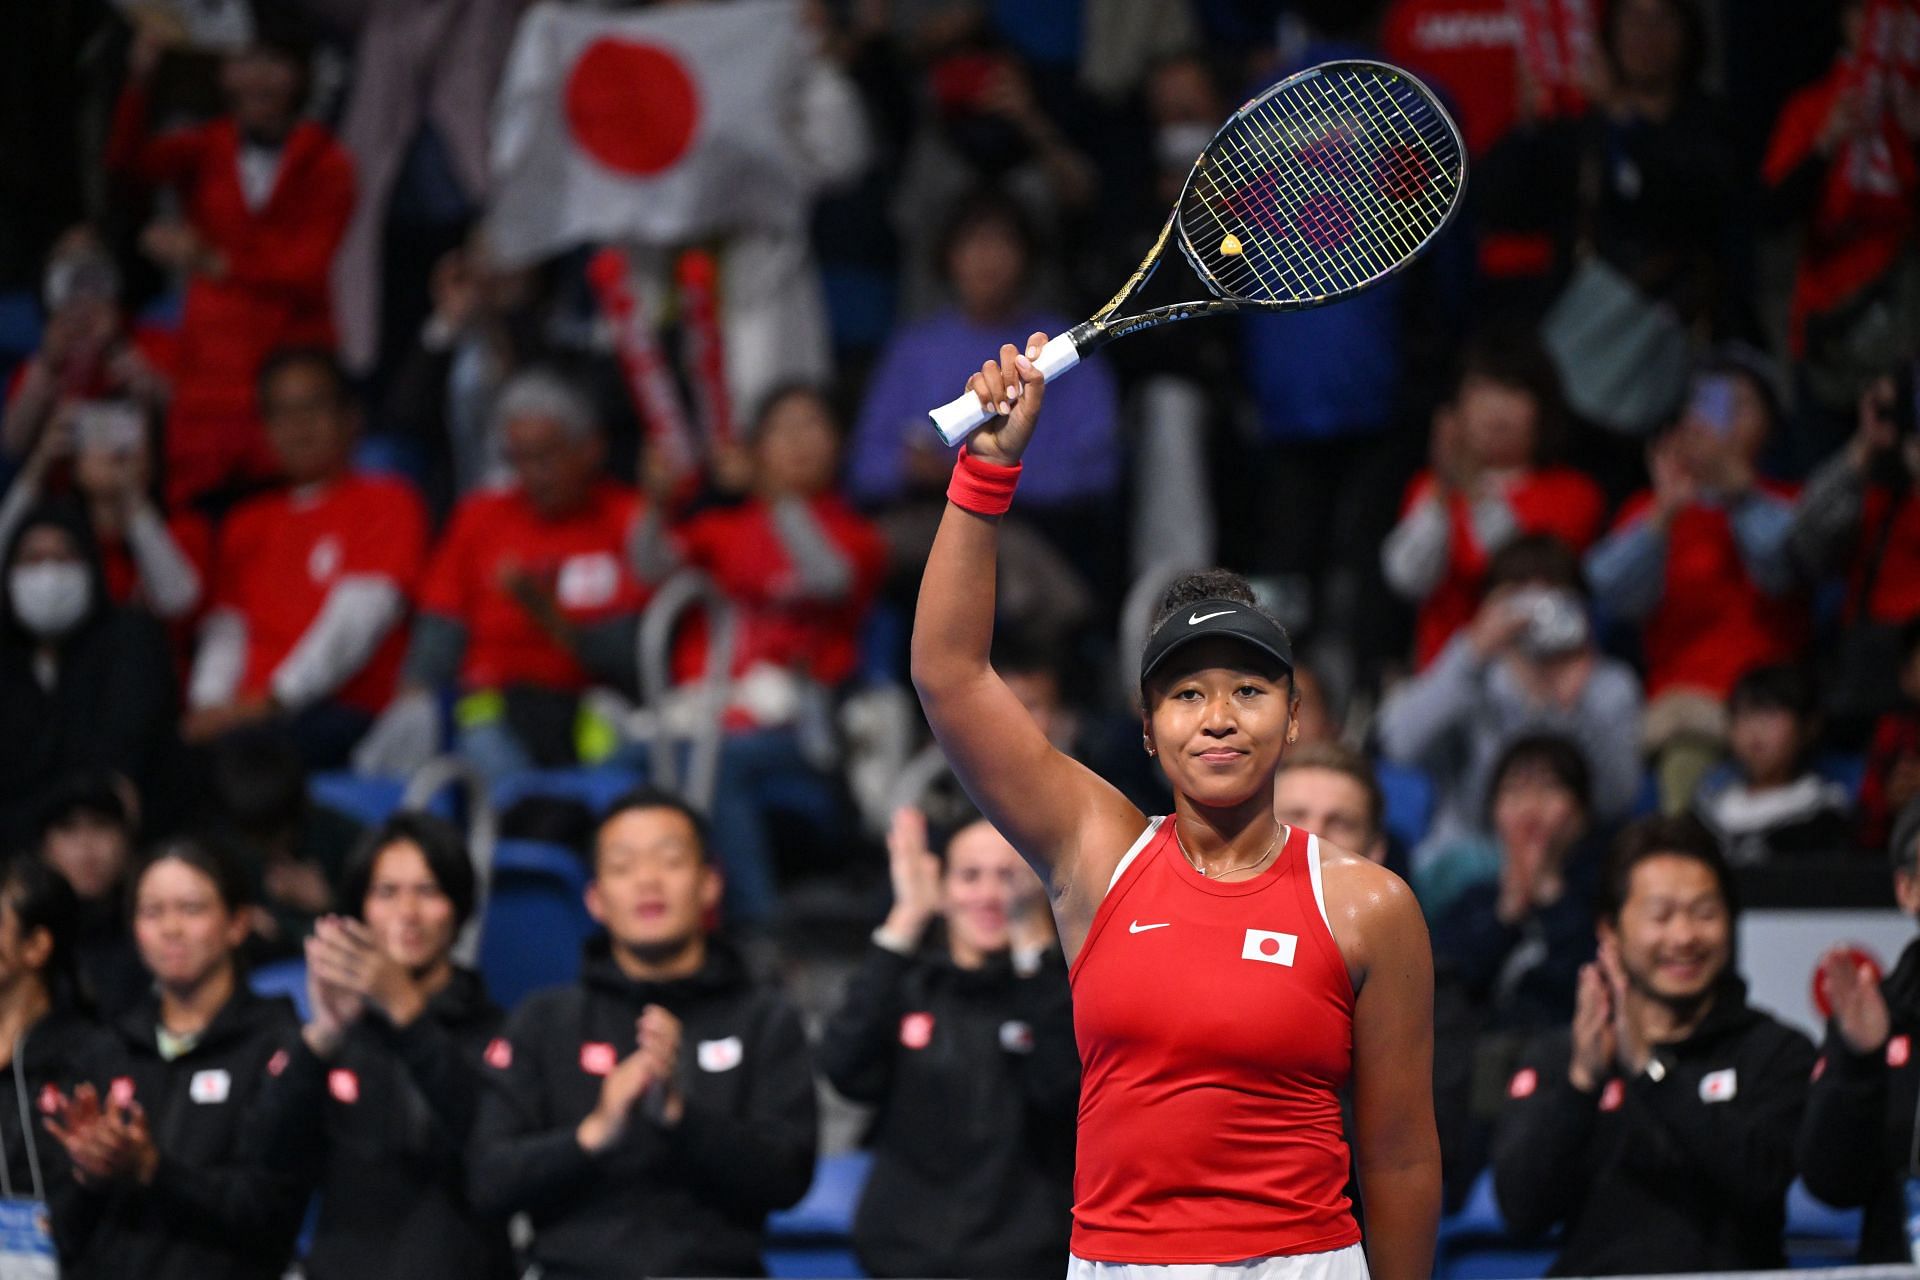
x=664 y=127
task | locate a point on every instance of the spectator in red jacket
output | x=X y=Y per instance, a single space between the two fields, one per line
x=312 y=582
x=1892 y=777
x=1487 y=485
x=799 y=567
x=1842 y=160
x=1700 y=563
x=265 y=199
x=527 y=601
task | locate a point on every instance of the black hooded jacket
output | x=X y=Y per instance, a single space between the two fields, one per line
x=977 y=1080
x=690 y=1200
x=1687 y=1173
x=59 y=1051
x=398 y=1107
x=1856 y=1143
x=219 y=1207
x=110 y=706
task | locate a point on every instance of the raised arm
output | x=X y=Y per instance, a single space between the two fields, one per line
x=1050 y=807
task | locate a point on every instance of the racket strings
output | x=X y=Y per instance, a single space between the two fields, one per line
x=1322 y=188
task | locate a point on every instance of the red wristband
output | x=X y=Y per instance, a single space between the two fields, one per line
x=984 y=488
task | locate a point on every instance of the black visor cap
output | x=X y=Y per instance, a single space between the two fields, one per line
x=1209 y=619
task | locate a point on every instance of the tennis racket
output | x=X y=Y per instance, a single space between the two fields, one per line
x=1324 y=185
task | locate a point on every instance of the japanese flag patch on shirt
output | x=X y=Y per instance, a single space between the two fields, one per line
x=720 y=1055
x=1719 y=1086
x=210 y=1086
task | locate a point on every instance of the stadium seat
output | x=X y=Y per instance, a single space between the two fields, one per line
x=283 y=978
x=814 y=1237
x=1409 y=796
x=596 y=788
x=536 y=922
x=370 y=801
x=1818 y=1235
x=1475 y=1245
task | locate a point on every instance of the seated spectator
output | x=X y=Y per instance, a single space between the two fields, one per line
x=1512 y=924
x=799 y=568
x=1330 y=790
x=291 y=848
x=84 y=684
x=648 y=1119
x=525 y=603
x=305 y=626
x=958 y=1027
x=85 y=356
x=48 y=1041
x=172 y=1159
x=1840 y=164
x=1892 y=777
x=895 y=457
x=1673 y=1099
x=87 y=834
x=1767 y=802
x=265 y=199
x=1700 y=563
x=1107 y=742
x=1856 y=1139
x=391 y=1058
x=1526 y=663
x=1489 y=482
x=1859 y=520
x=1320 y=718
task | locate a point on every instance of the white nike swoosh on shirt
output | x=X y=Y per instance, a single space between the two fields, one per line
x=1195 y=619
x=1137 y=927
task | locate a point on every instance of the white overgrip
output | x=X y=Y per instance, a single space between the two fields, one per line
x=961 y=416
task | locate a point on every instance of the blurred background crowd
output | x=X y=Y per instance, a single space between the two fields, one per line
x=409 y=405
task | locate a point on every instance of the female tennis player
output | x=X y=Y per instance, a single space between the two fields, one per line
x=1230 y=975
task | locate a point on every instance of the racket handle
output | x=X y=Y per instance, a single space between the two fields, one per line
x=961 y=416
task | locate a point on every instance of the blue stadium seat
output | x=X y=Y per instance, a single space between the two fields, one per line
x=1409 y=796
x=390 y=456
x=536 y=921
x=1817 y=1234
x=812 y=1239
x=596 y=788
x=366 y=800
x=1475 y=1245
x=283 y=978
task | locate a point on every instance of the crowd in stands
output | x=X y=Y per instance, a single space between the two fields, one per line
x=1599 y=528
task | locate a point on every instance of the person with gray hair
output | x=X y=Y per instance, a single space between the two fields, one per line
x=527 y=601
x=1856 y=1139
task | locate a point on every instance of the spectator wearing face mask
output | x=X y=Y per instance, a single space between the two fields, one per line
x=390 y=1063
x=1489 y=483
x=1699 y=564
x=1658 y=1130
x=1767 y=802
x=83 y=682
x=87 y=834
x=649 y=1118
x=1526 y=663
x=958 y=1027
x=265 y=199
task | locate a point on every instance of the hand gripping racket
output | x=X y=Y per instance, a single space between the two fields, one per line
x=1324 y=185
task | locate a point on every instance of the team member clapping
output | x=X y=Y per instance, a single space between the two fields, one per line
x=964 y=1041
x=648 y=1119
x=391 y=1059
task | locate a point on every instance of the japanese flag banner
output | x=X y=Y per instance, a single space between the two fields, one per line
x=660 y=127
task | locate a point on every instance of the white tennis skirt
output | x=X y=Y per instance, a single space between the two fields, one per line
x=1349 y=1263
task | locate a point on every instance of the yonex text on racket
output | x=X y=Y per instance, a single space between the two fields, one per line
x=1324 y=185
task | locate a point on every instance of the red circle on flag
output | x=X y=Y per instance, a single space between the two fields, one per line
x=1863 y=959
x=631 y=106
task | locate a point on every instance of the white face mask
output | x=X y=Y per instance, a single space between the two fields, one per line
x=50 y=599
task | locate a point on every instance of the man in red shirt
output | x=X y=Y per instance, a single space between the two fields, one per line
x=1486 y=487
x=527 y=601
x=1700 y=562
x=265 y=199
x=800 y=568
x=311 y=583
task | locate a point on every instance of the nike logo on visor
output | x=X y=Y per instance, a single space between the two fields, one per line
x=1195 y=619
x=1137 y=927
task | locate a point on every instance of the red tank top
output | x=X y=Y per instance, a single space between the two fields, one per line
x=1215 y=1024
